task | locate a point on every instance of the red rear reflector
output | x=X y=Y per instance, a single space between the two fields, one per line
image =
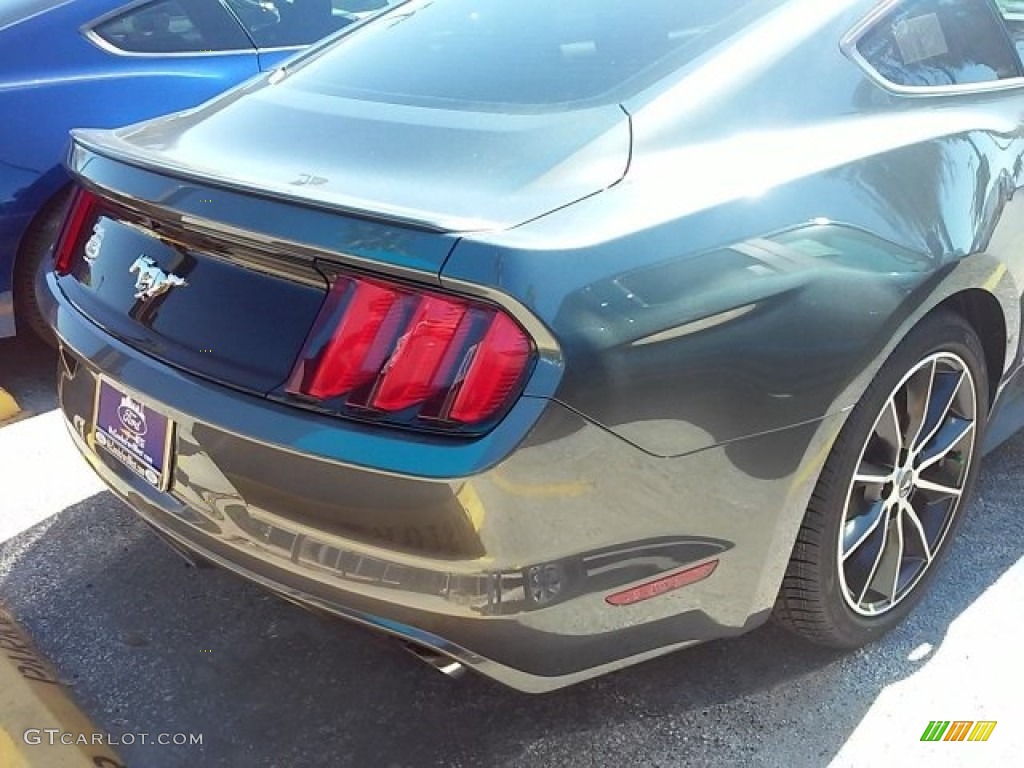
x=388 y=351
x=80 y=211
x=662 y=585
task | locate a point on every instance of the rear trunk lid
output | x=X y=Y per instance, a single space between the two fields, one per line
x=446 y=169
x=212 y=281
x=231 y=205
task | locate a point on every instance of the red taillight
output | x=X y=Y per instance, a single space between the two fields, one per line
x=494 y=371
x=358 y=345
x=411 y=373
x=388 y=351
x=80 y=211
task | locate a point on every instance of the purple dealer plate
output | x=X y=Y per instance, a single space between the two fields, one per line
x=133 y=433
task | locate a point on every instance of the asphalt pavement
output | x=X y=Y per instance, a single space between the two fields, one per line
x=149 y=645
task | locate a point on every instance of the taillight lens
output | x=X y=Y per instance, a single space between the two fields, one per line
x=80 y=211
x=386 y=351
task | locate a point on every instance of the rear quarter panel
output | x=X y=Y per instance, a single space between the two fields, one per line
x=767 y=251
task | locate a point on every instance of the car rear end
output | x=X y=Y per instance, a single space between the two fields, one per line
x=291 y=393
x=281 y=367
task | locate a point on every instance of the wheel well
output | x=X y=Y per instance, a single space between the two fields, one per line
x=37 y=238
x=982 y=310
x=45 y=211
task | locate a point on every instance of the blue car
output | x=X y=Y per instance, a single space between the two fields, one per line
x=106 y=63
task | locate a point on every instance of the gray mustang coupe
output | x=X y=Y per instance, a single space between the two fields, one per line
x=549 y=337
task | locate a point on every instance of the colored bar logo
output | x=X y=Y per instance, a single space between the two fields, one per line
x=959 y=730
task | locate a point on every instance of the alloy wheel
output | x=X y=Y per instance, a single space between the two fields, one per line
x=908 y=485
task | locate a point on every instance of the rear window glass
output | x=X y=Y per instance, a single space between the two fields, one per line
x=291 y=23
x=174 y=26
x=522 y=52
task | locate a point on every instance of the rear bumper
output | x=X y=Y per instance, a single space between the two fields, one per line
x=499 y=552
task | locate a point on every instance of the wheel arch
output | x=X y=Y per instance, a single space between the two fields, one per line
x=990 y=318
x=56 y=196
x=28 y=242
x=984 y=313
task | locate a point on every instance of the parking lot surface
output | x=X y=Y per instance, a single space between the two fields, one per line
x=149 y=645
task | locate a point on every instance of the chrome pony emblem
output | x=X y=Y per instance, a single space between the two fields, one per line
x=92 y=248
x=151 y=280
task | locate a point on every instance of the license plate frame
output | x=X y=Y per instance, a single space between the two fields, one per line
x=132 y=432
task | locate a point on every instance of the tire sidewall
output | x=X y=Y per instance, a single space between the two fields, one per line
x=31 y=261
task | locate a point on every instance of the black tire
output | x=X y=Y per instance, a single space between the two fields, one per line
x=32 y=259
x=815 y=600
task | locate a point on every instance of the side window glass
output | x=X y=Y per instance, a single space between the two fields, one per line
x=289 y=23
x=935 y=43
x=1013 y=15
x=174 y=26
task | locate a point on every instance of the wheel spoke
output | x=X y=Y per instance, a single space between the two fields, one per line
x=873 y=572
x=863 y=526
x=919 y=389
x=889 y=430
x=945 y=440
x=942 y=397
x=869 y=473
x=944 y=490
x=886 y=571
x=918 y=526
x=897 y=566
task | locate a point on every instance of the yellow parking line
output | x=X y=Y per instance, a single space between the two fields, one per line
x=8 y=406
x=541 y=490
x=34 y=705
x=995 y=278
x=9 y=755
x=470 y=501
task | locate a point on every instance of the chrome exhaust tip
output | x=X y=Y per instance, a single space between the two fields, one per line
x=444 y=664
